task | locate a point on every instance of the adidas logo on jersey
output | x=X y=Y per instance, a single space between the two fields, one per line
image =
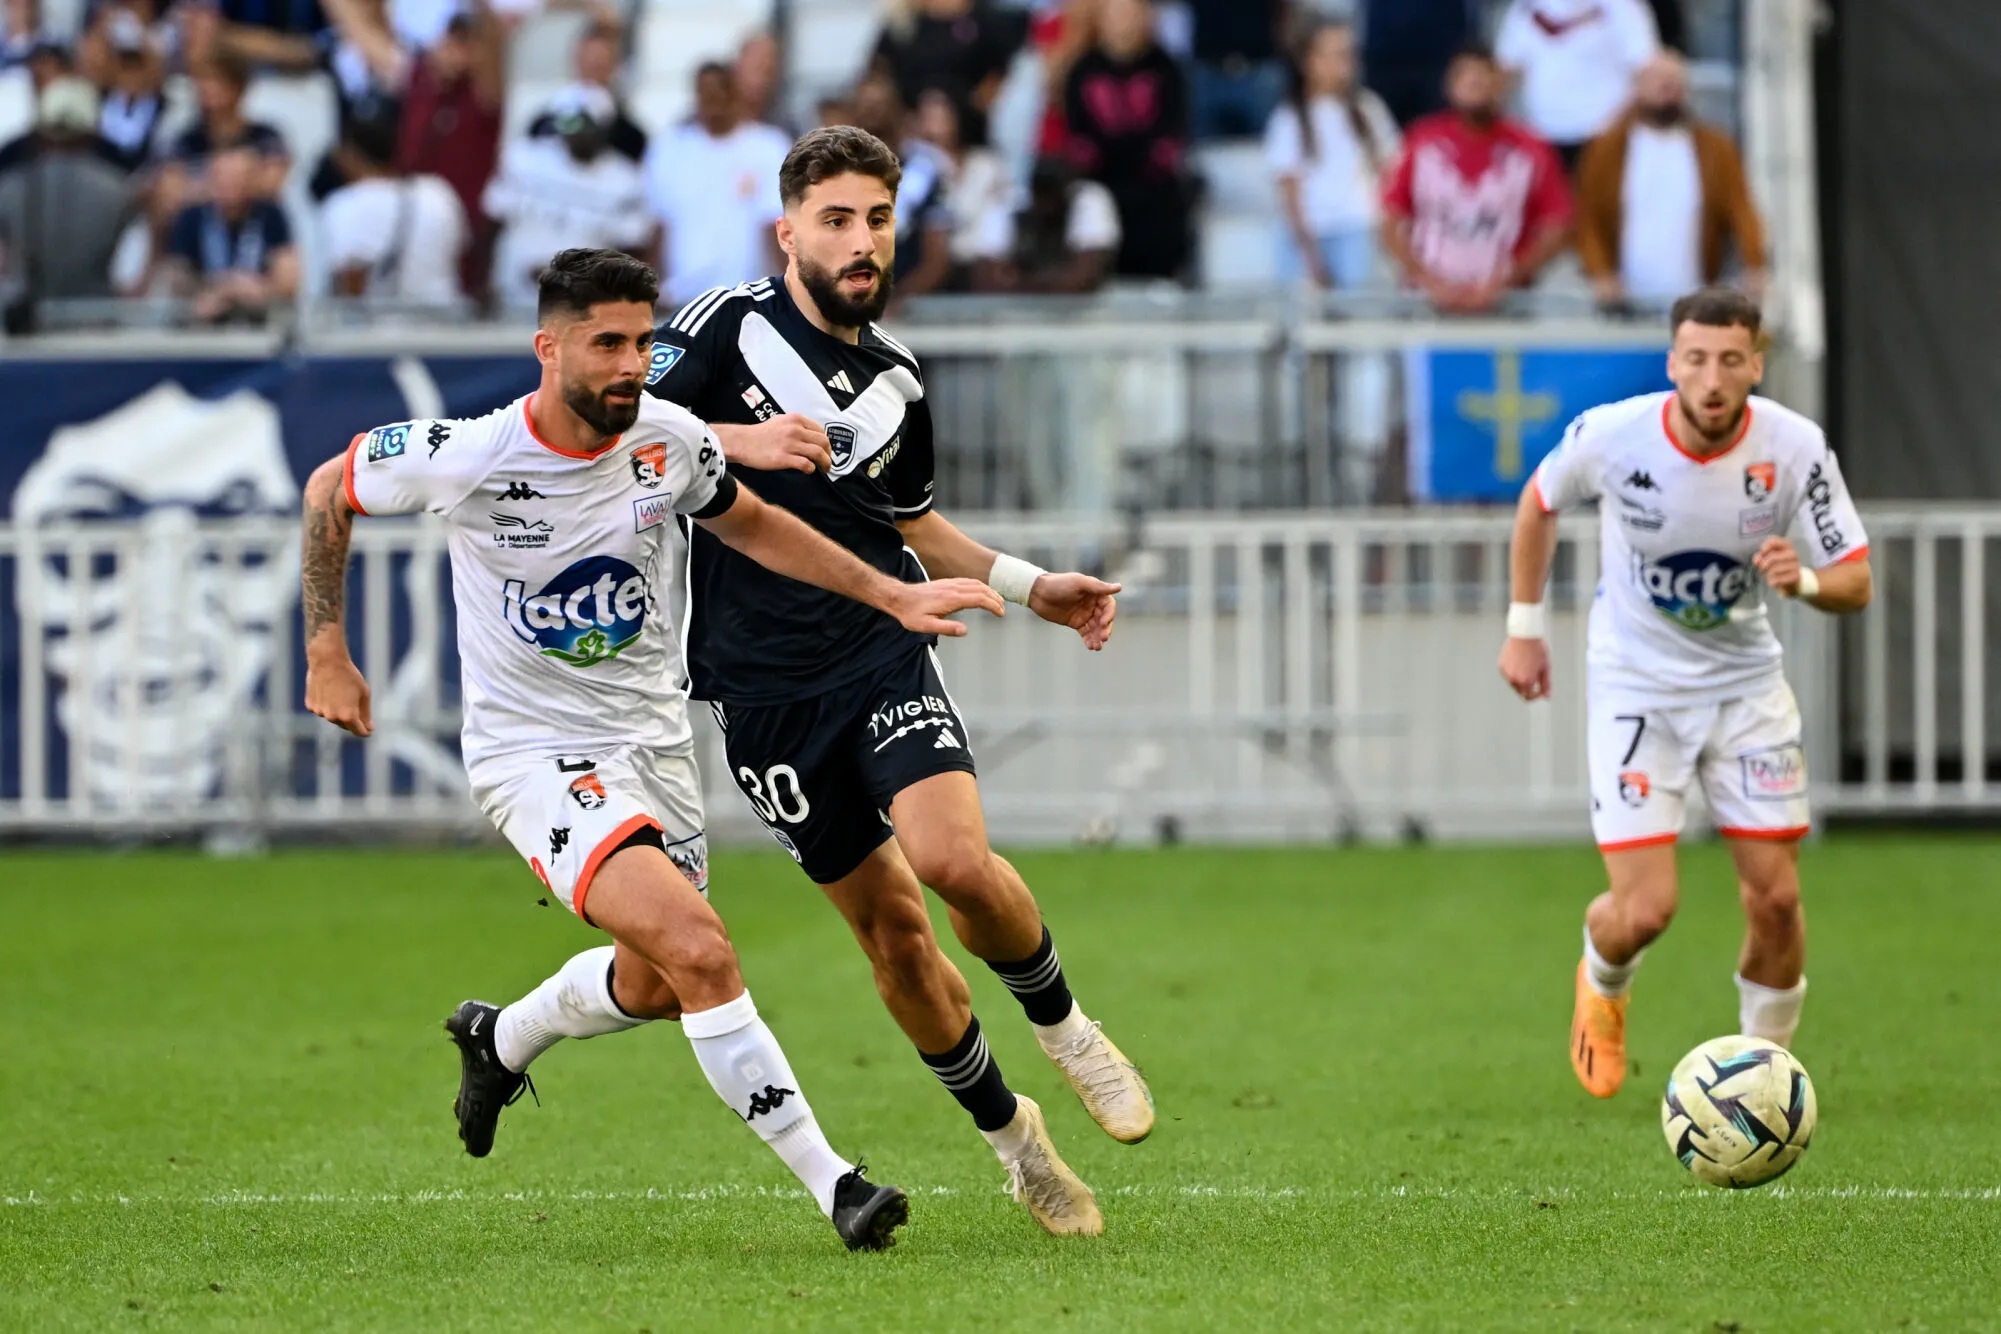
x=945 y=741
x=839 y=380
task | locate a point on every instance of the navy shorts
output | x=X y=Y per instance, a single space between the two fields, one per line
x=822 y=772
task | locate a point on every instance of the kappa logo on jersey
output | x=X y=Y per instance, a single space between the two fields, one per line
x=439 y=433
x=386 y=442
x=559 y=838
x=589 y=791
x=841 y=444
x=649 y=465
x=651 y=511
x=1696 y=589
x=1760 y=480
x=585 y=615
x=663 y=359
x=520 y=491
x=1634 y=788
x=1642 y=480
x=519 y=534
x=1775 y=775
x=1820 y=508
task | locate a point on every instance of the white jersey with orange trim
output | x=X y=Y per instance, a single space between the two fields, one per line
x=560 y=562
x=1680 y=614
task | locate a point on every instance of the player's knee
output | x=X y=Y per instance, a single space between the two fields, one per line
x=1773 y=905
x=1648 y=915
x=958 y=866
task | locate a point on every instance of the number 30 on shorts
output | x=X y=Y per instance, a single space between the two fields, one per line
x=777 y=796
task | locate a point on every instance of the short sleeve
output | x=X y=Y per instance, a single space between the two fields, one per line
x=1639 y=35
x=1511 y=44
x=685 y=357
x=408 y=467
x=353 y=227
x=708 y=478
x=1827 y=519
x=910 y=476
x=1285 y=147
x=1398 y=201
x=1568 y=475
x=993 y=231
x=1094 y=219
x=1549 y=202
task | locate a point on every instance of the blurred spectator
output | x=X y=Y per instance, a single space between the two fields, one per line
x=20 y=32
x=233 y=253
x=758 y=63
x=370 y=66
x=1328 y=146
x=1127 y=108
x=1064 y=240
x=713 y=184
x=835 y=109
x=452 y=120
x=1059 y=33
x=1661 y=196
x=1406 y=47
x=283 y=34
x=134 y=75
x=961 y=46
x=595 y=60
x=46 y=65
x=1576 y=60
x=1476 y=205
x=1238 y=74
x=977 y=184
x=120 y=27
x=1671 y=23
x=552 y=194
x=392 y=238
x=63 y=210
x=923 y=226
x=219 y=89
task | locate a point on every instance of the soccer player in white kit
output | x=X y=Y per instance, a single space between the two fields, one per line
x=1697 y=489
x=559 y=510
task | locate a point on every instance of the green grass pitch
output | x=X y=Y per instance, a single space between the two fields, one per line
x=224 y=1105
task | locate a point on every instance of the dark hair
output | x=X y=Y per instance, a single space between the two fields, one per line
x=1297 y=96
x=578 y=279
x=227 y=67
x=1479 y=51
x=710 y=69
x=835 y=150
x=1717 y=308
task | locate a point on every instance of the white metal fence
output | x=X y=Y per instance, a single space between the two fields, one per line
x=1279 y=677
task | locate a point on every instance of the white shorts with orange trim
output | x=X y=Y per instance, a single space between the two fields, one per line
x=566 y=813
x=1745 y=752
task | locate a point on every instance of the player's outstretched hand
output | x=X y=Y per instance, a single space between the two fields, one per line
x=1780 y=565
x=1086 y=605
x=336 y=692
x=789 y=442
x=1525 y=666
x=925 y=608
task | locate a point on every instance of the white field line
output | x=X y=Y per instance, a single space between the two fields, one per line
x=1284 y=1194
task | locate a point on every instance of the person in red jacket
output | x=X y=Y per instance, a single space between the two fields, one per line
x=1476 y=204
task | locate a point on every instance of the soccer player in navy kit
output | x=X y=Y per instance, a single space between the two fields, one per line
x=838 y=727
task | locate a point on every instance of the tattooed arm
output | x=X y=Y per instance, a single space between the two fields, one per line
x=334 y=686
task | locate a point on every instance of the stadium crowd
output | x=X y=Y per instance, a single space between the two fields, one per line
x=1049 y=146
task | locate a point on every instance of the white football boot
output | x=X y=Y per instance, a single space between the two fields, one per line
x=1111 y=1087
x=1056 y=1197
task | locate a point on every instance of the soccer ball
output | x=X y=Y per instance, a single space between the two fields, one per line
x=1738 y=1111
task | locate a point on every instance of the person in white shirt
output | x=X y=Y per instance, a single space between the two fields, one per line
x=570 y=191
x=1327 y=145
x=1576 y=60
x=1697 y=490
x=562 y=514
x=1063 y=236
x=391 y=238
x=712 y=184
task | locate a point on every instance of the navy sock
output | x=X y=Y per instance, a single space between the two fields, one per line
x=1037 y=982
x=968 y=1070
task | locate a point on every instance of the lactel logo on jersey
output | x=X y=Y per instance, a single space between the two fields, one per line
x=1696 y=589
x=585 y=615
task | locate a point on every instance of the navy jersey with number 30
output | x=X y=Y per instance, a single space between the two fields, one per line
x=743 y=355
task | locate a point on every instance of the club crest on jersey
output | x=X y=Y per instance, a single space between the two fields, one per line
x=386 y=442
x=649 y=465
x=663 y=359
x=841 y=444
x=589 y=792
x=1695 y=589
x=1634 y=789
x=1760 y=480
x=584 y=616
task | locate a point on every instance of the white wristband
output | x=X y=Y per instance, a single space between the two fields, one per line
x=1809 y=588
x=1527 y=620
x=1013 y=578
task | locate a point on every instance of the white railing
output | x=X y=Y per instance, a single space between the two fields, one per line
x=1274 y=677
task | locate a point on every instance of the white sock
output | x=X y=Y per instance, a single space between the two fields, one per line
x=1057 y=1036
x=1011 y=1140
x=1610 y=980
x=1767 y=1012
x=748 y=1070
x=575 y=1003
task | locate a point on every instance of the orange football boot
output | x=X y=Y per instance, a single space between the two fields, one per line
x=1597 y=1039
